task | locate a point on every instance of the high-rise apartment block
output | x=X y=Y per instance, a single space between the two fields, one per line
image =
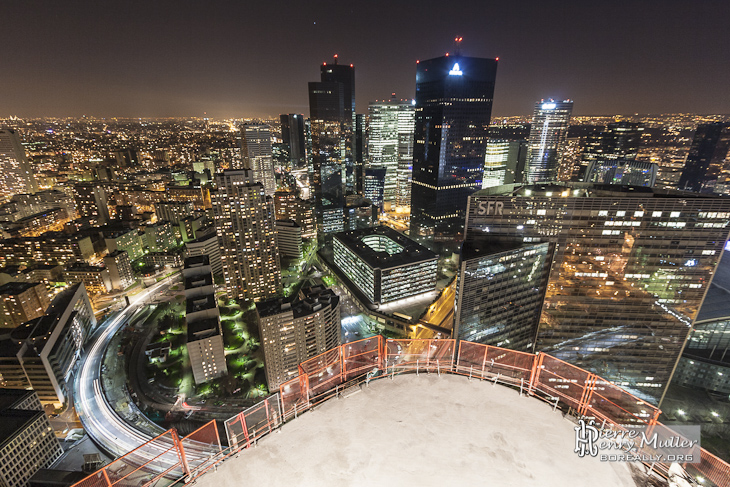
x=206 y=245
x=628 y=272
x=289 y=238
x=547 y=135
x=21 y=302
x=390 y=147
x=453 y=109
x=289 y=206
x=173 y=211
x=17 y=175
x=244 y=220
x=706 y=168
x=96 y=279
x=256 y=155
x=92 y=201
x=293 y=332
x=205 y=335
x=120 y=269
x=27 y=441
x=48 y=346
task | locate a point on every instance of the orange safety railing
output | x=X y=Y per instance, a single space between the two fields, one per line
x=167 y=459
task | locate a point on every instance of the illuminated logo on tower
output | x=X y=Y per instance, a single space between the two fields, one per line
x=455 y=71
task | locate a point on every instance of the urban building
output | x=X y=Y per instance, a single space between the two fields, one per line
x=289 y=238
x=374 y=186
x=289 y=206
x=500 y=289
x=453 y=109
x=92 y=201
x=21 y=302
x=206 y=245
x=173 y=258
x=96 y=279
x=205 y=335
x=628 y=274
x=37 y=224
x=385 y=265
x=705 y=167
x=18 y=175
x=332 y=121
x=361 y=148
x=244 y=220
x=127 y=240
x=160 y=237
x=618 y=143
x=27 y=441
x=359 y=214
x=293 y=139
x=390 y=147
x=50 y=345
x=293 y=332
x=256 y=155
x=120 y=269
x=48 y=248
x=504 y=162
x=622 y=171
x=547 y=136
x=173 y=211
x=42 y=201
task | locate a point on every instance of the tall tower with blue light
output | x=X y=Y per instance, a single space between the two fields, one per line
x=453 y=109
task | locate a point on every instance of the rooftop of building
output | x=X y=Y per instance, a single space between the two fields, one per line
x=200 y=329
x=84 y=267
x=492 y=436
x=471 y=249
x=10 y=398
x=287 y=223
x=200 y=303
x=117 y=253
x=308 y=301
x=14 y=421
x=587 y=190
x=40 y=328
x=382 y=247
x=15 y=288
x=196 y=261
x=200 y=280
x=203 y=238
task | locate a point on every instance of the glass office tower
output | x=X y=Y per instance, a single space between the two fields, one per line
x=547 y=135
x=390 y=146
x=628 y=273
x=453 y=109
x=705 y=165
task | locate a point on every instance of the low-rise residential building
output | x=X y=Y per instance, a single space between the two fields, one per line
x=95 y=278
x=49 y=248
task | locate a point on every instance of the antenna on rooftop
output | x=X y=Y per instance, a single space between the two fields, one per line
x=457 y=45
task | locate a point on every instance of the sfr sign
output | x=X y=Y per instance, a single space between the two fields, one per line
x=490 y=208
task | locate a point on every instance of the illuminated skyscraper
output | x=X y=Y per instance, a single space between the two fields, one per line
x=292 y=135
x=706 y=164
x=628 y=272
x=390 y=146
x=332 y=119
x=17 y=175
x=611 y=155
x=245 y=223
x=453 y=109
x=256 y=155
x=504 y=162
x=547 y=134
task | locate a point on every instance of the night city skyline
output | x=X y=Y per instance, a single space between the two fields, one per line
x=233 y=60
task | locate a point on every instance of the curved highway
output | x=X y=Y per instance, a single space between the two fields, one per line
x=100 y=421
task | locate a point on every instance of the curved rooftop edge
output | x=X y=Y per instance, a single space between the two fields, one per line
x=515 y=435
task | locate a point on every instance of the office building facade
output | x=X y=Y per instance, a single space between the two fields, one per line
x=257 y=156
x=453 y=109
x=705 y=166
x=547 y=136
x=293 y=139
x=245 y=224
x=628 y=274
x=384 y=265
x=500 y=289
x=390 y=146
x=504 y=162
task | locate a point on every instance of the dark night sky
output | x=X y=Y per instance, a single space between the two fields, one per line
x=130 y=58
